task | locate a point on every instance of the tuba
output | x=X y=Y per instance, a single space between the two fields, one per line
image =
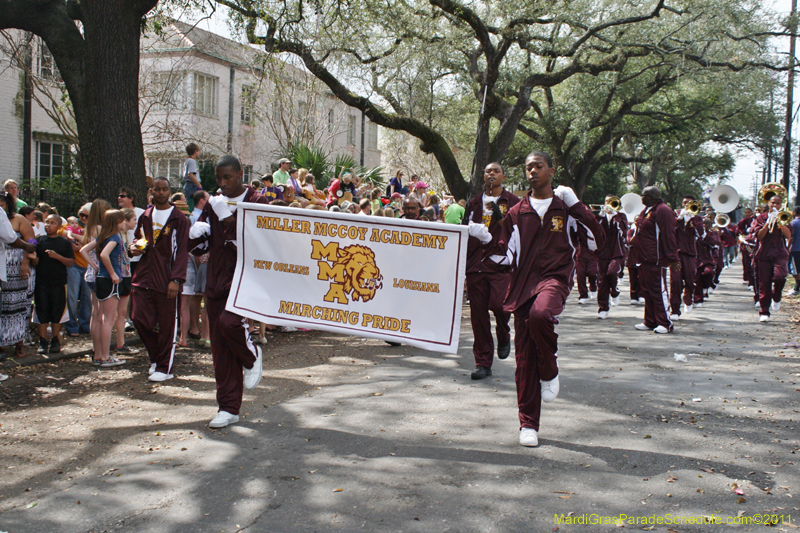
x=631 y=204
x=693 y=207
x=766 y=193
x=724 y=199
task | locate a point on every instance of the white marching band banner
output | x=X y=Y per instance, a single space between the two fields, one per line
x=379 y=277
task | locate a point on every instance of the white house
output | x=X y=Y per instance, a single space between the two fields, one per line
x=195 y=86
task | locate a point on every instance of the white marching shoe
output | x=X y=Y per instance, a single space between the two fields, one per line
x=661 y=329
x=160 y=376
x=583 y=301
x=674 y=317
x=641 y=301
x=152 y=369
x=593 y=295
x=776 y=306
x=549 y=390
x=528 y=437
x=223 y=418
x=698 y=305
x=763 y=318
x=642 y=327
x=252 y=376
x=602 y=315
x=687 y=308
x=615 y=301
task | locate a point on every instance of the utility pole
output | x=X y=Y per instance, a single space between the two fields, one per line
x=787 y=134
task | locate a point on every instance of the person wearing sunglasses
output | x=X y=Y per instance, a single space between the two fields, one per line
x=126 y=199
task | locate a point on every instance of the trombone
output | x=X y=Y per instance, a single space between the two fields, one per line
x=613 y=204
x=693 y=207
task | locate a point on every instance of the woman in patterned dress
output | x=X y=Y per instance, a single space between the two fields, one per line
x=16 y=293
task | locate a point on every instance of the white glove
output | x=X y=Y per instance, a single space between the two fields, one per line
x=567 y=195
x=199 y=229
x=480 y=232
x=773 y=216
x=220 y=206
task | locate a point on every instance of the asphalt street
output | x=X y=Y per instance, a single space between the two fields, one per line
x=635 y=440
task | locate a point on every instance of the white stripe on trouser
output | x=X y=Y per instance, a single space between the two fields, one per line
x=174 y=337
x=250 y=345
x=665 y=294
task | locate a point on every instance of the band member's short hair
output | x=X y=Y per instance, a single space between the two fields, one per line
x=689 y=196
x=229 y=160
x=544 y=155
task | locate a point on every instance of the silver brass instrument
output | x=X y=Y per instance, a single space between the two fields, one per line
x=722 y=220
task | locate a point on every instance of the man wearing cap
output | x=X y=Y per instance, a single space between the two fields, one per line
x=281 y=176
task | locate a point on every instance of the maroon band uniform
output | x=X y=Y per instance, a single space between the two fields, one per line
x=611 y=257
x=231 y=346
x=771 y=262
x=706 y=264
x=633 y=270
x=682 y=281
x=743 y=229
x=541 y=253
x=165 y=258
x=655 y=248
x=487 y=282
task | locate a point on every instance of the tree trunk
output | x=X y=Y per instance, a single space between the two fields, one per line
x=100 y=68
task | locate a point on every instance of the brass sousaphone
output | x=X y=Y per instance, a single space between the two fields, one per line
x=766 y=193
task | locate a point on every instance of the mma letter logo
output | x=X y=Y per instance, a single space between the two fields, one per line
x=351 y=270
x=558 y=224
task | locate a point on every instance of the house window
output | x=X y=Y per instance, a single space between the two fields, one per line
x=247 y=173
x=171 y=169
x=302 y=111
x=46 y=65
x=277 y=114
x=330 y=121
x=248 y=103
x=351 y=131
x=205 y=94
x=372 y=136
x=167 y=87
x=51 y=158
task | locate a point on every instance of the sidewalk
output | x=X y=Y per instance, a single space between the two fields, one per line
x=376 y=438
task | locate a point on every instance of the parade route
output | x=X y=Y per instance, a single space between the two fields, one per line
x=348 y=434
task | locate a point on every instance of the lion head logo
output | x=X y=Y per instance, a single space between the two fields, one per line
x=361 y=274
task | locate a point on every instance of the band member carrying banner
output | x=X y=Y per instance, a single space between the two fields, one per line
x=237 y=361
x=487 y=282
x=536 y=241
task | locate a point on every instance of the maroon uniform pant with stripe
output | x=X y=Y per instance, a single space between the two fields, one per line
x=487 y=290
x=682 y=282
x=156 y=319
x=536 y=344
x=586 y=269
x=771 y=276
x=747 y=266
x=232 y=351
x=607 y=275
x=703 y=281
x=653 y=280
x=633 y=279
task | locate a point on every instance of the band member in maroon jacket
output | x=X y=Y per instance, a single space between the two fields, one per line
x=162 y=241
x=610 y=258
x=707 y=248
x=585 y=269
x=656 y=251
x=771 y=257
x=719 y=264
x=487 y=282
x=536 y=242
x=637 y=296
x=237 y=361
x=689 y=230
x=743 y=229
